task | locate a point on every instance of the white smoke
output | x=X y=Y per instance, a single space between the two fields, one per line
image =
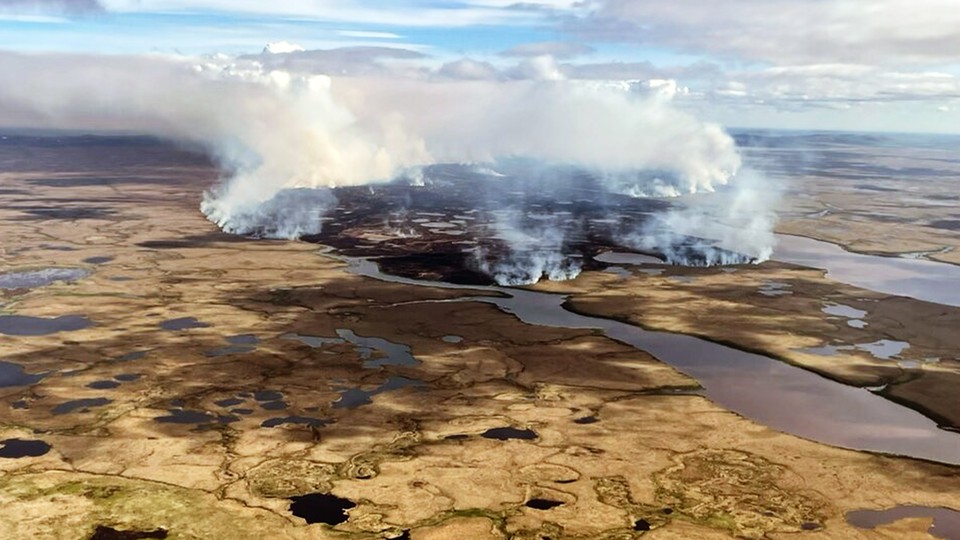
x=275 y=131
x=560 y=122
x=291 y=213
x=733 y=226
x=532 y=250
x=400 y=225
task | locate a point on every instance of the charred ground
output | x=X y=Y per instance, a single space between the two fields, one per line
x=448 y=226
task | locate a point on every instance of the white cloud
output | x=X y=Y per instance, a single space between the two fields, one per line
x=400 y=13
x=366 y=34
x=550 y=4
x=821 y=85
x=775 y=55
x=886 y=32
x=37 y=19
x=49 y=7
x=353 y=61
x=282 y=47
x=556 y=49
x=538 y=68
x=467 y=69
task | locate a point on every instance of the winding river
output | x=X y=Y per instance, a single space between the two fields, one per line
x=757 y=387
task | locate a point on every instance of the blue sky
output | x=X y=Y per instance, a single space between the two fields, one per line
x=234 y=33
x=833 y=64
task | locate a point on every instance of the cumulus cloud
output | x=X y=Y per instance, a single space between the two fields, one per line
x=281 y=47
x=541 y=68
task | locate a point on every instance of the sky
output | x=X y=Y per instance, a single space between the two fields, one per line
x=853 y=65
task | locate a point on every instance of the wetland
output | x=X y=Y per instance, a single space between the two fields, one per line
x=231 y=387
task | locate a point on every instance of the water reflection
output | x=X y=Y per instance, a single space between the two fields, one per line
x=916 y=278
x=758 y=387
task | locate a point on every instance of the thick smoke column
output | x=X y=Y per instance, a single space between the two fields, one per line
x=276 y=131
x=283 y=139
x=271 y=131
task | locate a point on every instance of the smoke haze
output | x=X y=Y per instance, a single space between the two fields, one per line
x=732 y=226
x=276 y=133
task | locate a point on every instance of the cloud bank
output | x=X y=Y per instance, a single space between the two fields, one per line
x=823 y=64
x=51 y=7
x=785 y=32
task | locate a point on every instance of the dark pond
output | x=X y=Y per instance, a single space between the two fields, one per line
x=274 y=405
x=22 y=325
x=183 y=323
x=70 y=406
x=14 y=375
x=321 y=508
x=187 y=416
x=267 y=395
x=505 y=433
x=354 y=397
x=19 y=448
x=103 y=532
x=542 y=504
x=103 y=385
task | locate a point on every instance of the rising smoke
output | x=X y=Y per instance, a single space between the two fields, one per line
x=279 y=134
x=729 y=227
x=532 y=249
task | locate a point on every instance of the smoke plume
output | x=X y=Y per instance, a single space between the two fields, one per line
x=731 y=226
x=532 y=249
x=276 y=130
x=284 y=138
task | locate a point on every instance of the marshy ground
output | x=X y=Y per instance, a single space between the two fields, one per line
x=223 y=387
